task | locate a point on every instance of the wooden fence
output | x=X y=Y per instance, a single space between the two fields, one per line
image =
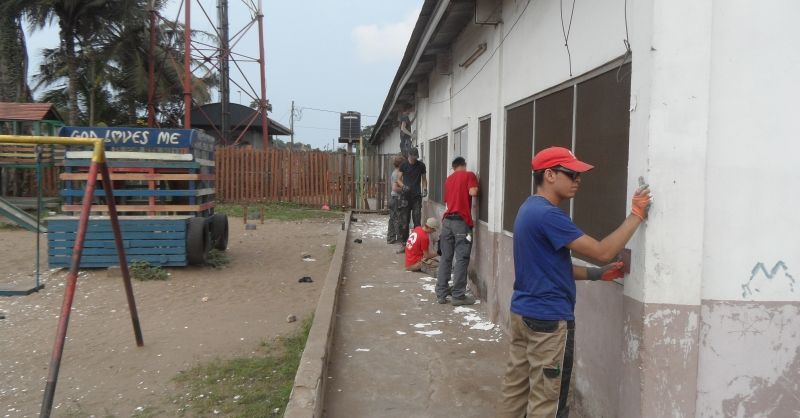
x=246 y=175
x=308 y=177
x=21 y=182
x=377 y=176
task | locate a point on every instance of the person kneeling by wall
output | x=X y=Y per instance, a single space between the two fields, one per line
x=419 y=257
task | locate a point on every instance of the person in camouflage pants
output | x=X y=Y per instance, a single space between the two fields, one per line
x=396 y=202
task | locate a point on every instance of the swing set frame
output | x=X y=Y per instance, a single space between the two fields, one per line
x=100 y=166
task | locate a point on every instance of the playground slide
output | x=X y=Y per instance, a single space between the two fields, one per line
x=18 y=216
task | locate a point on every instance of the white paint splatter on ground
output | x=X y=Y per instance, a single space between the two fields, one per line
x=472 y=318
x=483 y=325
x=362 y=349
x=421 y=325
x=429 y=333
x=373 y=228
x=367 y=286
x=400 y=333
x=309 y=259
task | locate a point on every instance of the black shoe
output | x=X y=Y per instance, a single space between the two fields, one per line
x=441 y=301
x=466 y=300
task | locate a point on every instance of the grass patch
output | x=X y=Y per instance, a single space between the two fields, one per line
x=144 y=271
x=282 y=211
x=247 y=386
x=217 y=259
x=9 y=227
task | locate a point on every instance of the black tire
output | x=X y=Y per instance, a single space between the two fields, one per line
x=219 y=231
x=198 y=241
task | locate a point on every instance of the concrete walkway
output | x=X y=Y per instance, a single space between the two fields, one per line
x=396 y=352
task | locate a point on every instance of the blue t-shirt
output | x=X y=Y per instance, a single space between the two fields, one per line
x=544 y=287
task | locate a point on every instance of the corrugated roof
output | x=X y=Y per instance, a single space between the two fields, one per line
x=28 y=111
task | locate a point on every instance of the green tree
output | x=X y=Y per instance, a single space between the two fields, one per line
x=14 y=62
x=107 y=73
x=75 y=18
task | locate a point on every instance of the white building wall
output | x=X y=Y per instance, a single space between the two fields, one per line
x=750 y=351
x=390 y=144
x=474 y=87
x=713 y=100
x=534 y=54
x=754 y=149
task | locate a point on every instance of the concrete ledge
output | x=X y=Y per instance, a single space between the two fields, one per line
x=307 y=398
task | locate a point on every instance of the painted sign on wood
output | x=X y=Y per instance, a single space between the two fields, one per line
x=134 y=137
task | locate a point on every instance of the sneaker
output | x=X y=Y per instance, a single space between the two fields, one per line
x=466 y=300
x=441 y=301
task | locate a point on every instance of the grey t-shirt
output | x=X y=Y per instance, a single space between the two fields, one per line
x=395 y=174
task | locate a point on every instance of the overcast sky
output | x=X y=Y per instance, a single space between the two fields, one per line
x=322 y=54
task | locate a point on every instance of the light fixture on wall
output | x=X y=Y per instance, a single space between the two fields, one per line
x=478 y=52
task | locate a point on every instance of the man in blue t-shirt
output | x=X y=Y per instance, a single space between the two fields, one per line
x=537 y=378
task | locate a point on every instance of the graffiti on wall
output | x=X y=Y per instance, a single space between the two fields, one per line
x=778 y=273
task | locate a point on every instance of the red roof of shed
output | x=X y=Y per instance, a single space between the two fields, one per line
x=28 y=111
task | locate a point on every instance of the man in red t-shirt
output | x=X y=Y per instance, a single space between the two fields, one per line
x=455 y=240
x=419 y=257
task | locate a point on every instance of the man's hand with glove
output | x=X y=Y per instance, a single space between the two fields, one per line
x=607 y=273
x=641 y=200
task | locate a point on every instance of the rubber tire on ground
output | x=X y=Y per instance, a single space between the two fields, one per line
x=198 y=241
x=219 y=231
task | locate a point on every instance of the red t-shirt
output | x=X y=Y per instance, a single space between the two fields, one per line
x=456 y=194
x=416 y=245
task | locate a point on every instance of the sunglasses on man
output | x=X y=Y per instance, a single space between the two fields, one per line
x=574 y=175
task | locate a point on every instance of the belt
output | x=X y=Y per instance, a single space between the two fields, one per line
x=454 y=217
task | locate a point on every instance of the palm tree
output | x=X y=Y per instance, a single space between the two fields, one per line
x=107 y=72
x=75 y=18
x=14 y=65
x=127 y=47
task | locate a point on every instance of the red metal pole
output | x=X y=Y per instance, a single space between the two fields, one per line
x=262 y=63
x=151 y=69
x=123 y=263
x=69 y=294
x=187 y=65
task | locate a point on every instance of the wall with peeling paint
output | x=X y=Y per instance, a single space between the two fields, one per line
x=749 y=359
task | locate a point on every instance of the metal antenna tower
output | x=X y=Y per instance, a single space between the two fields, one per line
x=210 y=57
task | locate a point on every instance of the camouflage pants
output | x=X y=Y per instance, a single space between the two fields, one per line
x=393 y=234
x=410 y=211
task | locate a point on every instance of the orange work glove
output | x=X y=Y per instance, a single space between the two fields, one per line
x=607 y=273
x=641 y=202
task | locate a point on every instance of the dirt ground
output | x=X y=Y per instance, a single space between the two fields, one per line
x=103 y=373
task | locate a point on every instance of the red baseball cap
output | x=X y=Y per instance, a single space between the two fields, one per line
x=558 y=156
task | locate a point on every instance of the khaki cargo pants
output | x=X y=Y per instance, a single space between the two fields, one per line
x=536 y=384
